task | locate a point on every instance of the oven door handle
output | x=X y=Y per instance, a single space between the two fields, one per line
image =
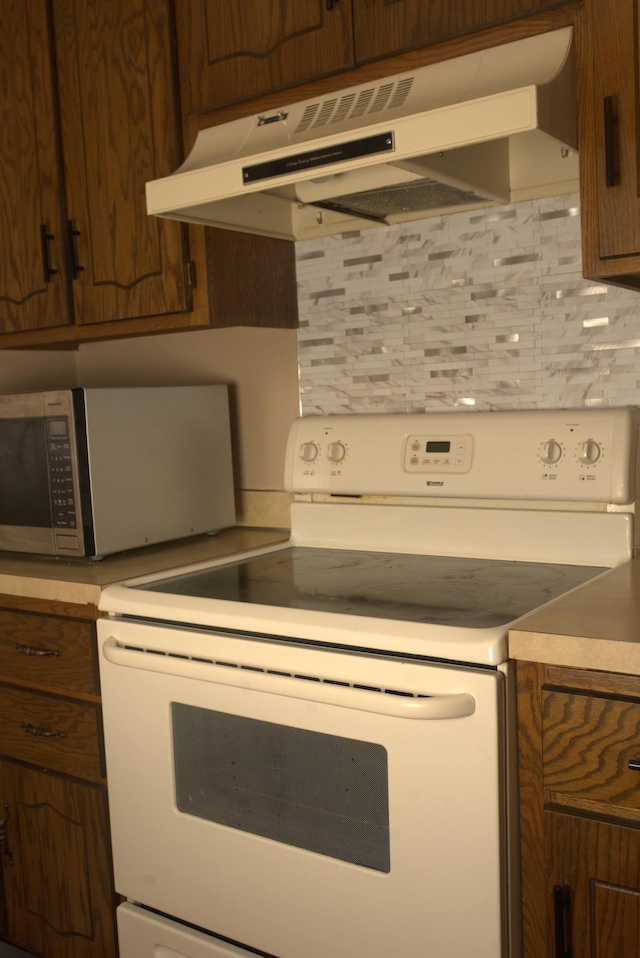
x=456 y=705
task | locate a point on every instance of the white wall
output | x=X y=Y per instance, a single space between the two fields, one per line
x=259 y=365
x=25 y=370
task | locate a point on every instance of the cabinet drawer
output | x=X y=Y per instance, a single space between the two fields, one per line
x=50 y=732
x=588 y=744
x=55 y=653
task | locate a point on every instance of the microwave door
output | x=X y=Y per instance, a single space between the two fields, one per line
x=26 y=523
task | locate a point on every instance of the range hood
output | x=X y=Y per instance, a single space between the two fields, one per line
x=487 y=128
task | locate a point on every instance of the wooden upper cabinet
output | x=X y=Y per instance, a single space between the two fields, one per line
x=118 y=120
x=32 y=253
x=382 y=27
x=615 y=110
x=608 y=139
x=235 y=51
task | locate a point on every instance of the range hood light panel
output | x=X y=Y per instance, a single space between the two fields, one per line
x=418 y=196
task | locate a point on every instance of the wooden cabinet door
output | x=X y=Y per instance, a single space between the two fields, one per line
x=608 y=112
x=56 y=866
x=382 y=27
x=31 y=211
x=234 y=51
x=118 y=125
x=593 y=888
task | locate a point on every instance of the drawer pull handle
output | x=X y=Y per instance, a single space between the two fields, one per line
x=4 y=841
x=30 y=650
x=45 y=732
x=634 y=765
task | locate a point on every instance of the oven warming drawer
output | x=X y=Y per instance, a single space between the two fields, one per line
x=143 y=934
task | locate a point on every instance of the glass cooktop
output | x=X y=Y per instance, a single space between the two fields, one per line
x=469 y=593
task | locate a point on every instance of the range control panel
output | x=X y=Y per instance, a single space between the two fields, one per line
x=446 y=454
x=572 y=455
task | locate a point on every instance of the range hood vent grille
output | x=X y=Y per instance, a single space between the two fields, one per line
x=386 y=96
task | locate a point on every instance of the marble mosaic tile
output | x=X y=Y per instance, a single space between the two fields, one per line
x=482 y=309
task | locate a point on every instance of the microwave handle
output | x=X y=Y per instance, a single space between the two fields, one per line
x=458 y=705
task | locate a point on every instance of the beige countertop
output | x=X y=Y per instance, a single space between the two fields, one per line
x=82 y=580
x=597 y=626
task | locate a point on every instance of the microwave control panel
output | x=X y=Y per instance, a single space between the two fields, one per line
x=61 y=473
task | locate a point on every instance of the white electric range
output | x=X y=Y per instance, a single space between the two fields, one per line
x=310 y=748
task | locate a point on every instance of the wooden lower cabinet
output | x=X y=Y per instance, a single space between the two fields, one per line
x=56 y=883
x=579 y=765
x=594 y=879
x=56 y=864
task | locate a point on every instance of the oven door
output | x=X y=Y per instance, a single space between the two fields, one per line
x=304 y=801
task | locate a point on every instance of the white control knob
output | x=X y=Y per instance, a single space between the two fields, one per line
x=337 y=452
x=309 y=452
x=589 y=452
x=550 y=451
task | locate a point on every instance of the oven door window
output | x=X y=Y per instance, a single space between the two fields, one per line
x=319 y=792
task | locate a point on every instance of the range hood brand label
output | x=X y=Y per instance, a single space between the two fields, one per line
x=312 y=159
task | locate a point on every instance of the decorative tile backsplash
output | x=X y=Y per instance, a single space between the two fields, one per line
x=485 y=309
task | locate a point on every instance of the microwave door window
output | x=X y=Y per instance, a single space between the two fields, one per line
x=24 y=474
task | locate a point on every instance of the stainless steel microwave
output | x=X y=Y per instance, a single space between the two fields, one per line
x=90 y=472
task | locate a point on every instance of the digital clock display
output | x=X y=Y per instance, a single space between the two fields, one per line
x=438 y=445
